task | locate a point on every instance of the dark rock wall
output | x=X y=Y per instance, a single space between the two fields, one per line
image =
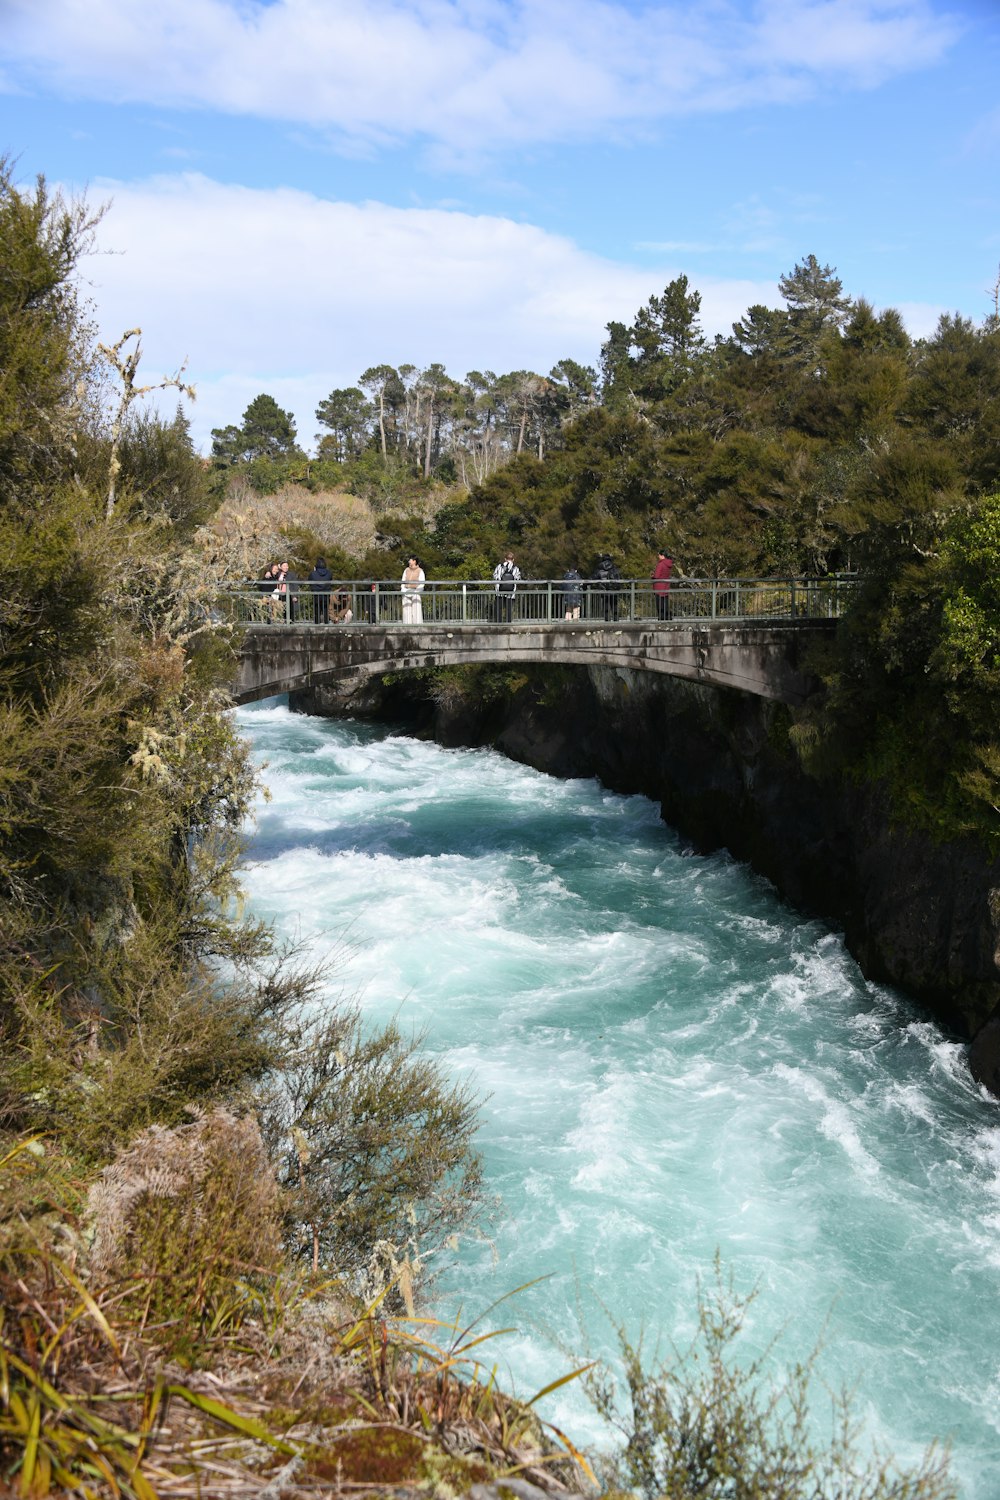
x=921 y=916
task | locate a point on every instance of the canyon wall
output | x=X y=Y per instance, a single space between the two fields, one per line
x=918 y=915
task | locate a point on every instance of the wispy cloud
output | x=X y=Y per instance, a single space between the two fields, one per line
x=464 y=75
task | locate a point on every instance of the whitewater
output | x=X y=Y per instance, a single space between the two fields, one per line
x=671 y=1063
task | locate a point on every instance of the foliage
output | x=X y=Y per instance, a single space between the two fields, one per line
x=282 y=1372
x=375 y=1150
x=266 y=432
x=708 y=1424
x=185 y=1213
x=161 y=472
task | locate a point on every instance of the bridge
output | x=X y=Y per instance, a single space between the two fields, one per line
x=744 y=634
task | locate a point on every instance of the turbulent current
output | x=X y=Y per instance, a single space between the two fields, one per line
x=671 y=1063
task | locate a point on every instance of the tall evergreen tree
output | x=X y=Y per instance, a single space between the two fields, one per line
x=816 y=305
x=348 y=416
x=266 y=432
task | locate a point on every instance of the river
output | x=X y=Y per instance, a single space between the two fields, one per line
x=672 y=1062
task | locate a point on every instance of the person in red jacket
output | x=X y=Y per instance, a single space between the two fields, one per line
x=661 y=584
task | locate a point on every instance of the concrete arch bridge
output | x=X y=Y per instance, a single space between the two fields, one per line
x=744 y=634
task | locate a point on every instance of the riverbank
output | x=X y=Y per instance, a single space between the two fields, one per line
x=921 y=916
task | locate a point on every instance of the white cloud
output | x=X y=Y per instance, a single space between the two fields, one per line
x=464 y=75
x=285 y=292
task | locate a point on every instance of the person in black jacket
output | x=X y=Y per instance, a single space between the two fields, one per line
x=606 y=586
x=572 y=590
x=319 y=580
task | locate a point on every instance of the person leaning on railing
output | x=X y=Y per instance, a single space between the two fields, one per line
x=341 y=612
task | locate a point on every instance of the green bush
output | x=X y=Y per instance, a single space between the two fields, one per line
x=704 y=1425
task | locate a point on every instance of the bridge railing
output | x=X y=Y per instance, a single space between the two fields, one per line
x=358 y=602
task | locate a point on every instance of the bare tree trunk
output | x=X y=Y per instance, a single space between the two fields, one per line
x=126 y=365
x=430 y=433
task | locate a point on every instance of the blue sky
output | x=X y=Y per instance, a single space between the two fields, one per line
x=302 y=188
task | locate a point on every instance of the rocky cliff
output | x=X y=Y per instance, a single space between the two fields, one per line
x=922 y=916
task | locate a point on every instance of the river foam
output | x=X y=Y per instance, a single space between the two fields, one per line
x=670 y=1061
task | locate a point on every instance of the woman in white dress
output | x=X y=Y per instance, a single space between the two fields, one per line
x=413 y=583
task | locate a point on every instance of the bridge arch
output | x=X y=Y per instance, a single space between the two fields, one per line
x=763 y=659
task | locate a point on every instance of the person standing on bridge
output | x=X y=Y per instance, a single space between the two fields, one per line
x=319 y=580
x=506 y=577
x=572 y=589
x=288 y=593
x=412 y=587
x=606 y=586
x=661 y=584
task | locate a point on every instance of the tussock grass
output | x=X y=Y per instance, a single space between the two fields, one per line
x=104 y=1390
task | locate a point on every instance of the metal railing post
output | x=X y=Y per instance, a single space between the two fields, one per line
x=715 y=598
x=465 y=602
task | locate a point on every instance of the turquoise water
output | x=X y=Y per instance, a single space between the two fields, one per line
x=671 y=1061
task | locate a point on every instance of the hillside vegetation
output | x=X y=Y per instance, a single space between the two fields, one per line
x=817 y=438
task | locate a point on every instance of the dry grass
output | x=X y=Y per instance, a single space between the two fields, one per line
x=250 y=530
x=286 y=1392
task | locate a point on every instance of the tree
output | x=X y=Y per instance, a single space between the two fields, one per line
x=126 y=363
x=572 y=391
x=266 y=432
x=955 y=394
x=378 y=380
x=436 y=392
x=815 y=292
x=42 y=238
x=816 y=304
x=616 y=366
x=348 y=416
x=521 y=394
x=668 y=335
x=761 y=331
x=374 y=1148
x=122 y=784
x=479 y=446
x=159 y=466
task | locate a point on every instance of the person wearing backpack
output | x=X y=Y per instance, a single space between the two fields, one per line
x=607 y=586
x=572 y=589
x=506 y=577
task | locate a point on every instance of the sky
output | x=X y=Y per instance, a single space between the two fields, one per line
x=299 y=189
